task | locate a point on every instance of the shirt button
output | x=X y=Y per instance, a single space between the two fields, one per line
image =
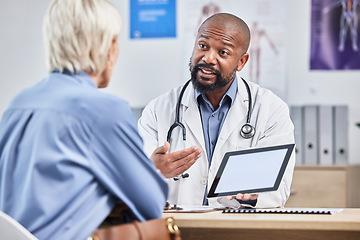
x=203 y=181
x=213 y=115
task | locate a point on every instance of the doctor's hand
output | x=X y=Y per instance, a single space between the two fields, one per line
x=243 y=197
x=175 y=163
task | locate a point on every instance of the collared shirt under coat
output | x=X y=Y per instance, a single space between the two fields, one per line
x=212 y=120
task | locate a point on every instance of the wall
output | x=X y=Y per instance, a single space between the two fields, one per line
x=319 y=87
x=147 y=68
x=21 y=47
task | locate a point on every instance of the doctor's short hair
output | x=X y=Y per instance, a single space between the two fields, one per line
x=78 y=34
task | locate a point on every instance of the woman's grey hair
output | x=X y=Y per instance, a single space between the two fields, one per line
x=78 y=34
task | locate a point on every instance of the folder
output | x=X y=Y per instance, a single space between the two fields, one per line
x=310 y=134
x=296 y=116
x=325 y=126
x=340 y=117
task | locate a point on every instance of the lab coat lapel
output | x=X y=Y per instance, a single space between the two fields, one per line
x=192 y=118
x=236 y=115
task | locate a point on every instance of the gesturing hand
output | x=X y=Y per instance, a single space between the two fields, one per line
x=175 y=163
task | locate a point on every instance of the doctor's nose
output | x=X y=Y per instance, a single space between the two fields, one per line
x=210 y=57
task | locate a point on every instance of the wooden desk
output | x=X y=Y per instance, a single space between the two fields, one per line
x=217 y=225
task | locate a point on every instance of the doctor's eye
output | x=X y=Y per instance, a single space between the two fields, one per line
x=201 y=45
x=224 y=53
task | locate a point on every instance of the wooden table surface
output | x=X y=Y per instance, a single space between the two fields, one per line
x=218 y=225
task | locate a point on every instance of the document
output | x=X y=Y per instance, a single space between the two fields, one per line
x=193 y=209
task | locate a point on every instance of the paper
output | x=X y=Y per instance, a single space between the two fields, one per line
x=194 y=209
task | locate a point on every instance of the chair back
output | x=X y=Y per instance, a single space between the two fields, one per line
x=11 y=229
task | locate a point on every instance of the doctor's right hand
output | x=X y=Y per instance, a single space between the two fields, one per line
x=175 y=163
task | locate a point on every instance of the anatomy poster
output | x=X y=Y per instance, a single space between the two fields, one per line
x=334 y=35
x=267 y=22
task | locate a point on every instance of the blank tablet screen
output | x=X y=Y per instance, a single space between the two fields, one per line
x=251 y=171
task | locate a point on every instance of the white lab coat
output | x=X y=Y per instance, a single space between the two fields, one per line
x=271 y=119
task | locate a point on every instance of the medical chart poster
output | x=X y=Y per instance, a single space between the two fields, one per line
x=267 y=20
x=334 y=35
x=152 y=19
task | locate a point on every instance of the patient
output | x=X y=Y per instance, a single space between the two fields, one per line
x=69 y=152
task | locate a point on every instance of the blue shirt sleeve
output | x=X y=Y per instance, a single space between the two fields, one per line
x=124 y=169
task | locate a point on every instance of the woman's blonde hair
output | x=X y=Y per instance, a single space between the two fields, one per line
x=78 y=34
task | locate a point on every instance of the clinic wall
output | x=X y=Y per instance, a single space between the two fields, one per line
x=149 y=67
x=319 y=87
x=21 y=48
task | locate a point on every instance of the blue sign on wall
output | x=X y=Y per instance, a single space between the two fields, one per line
x=152 y=18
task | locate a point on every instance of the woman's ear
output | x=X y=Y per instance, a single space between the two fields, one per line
x=113 y=53
x=242 y=61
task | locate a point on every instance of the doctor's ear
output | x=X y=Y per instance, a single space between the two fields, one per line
x=242 y=61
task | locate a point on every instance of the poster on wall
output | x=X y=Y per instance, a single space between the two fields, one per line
x=152 y=19
x=267 y=22
x=334 y=35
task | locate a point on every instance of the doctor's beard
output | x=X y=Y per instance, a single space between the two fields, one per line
x=220 y=81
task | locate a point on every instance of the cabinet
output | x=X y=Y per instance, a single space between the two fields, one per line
x=325 y=186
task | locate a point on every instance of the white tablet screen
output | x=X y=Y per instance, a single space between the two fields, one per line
x=251 y=171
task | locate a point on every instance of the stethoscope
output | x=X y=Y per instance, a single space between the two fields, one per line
x=247 y=131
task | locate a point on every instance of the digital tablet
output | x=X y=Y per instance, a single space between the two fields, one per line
x=251 y=171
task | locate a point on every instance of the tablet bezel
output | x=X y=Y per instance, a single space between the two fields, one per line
x=226 y=157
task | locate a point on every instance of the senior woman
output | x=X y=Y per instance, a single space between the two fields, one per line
x=69 y=152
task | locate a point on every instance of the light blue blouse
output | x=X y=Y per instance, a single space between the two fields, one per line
x=68 y=153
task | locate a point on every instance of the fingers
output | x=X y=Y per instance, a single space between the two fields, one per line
x=186 y=154
x=174 y=164
x=230 y=197
x=243 y=197
x=246 y=196
x=184 y=159
x=166 y=146
x=163 y=149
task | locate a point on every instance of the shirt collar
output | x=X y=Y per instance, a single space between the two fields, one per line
x=81 y=76
x=231 y=93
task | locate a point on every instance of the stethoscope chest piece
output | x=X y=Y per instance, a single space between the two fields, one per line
x=247 y=131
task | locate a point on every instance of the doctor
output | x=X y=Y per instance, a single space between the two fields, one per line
x=220 y=112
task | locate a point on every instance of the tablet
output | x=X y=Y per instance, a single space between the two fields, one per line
x=251 y=171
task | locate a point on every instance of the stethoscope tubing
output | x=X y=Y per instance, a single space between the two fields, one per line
x=247 y=130
x=177 y=122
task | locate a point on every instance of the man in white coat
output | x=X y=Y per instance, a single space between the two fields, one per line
x=213 y=109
